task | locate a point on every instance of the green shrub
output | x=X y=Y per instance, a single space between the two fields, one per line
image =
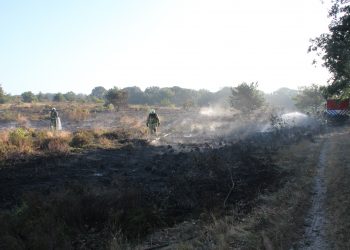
x=21 y=138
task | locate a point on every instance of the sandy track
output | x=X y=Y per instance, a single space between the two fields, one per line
x=316 y=222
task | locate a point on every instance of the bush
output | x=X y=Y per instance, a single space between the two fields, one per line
x=82 y=138
x=21 y=138
x=55 y=145
x=59 y=97
x=28 y=97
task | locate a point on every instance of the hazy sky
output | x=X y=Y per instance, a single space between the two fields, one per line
x=75 y=45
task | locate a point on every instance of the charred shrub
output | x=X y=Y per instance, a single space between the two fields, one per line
x=219 y=178
x=77 y=218
x=82 y=138
x=112 y=135
x=116 y=135
x=32 y=226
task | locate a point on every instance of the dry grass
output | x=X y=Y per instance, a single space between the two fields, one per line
x=8 y=115
x=77 y=114
x=105 y=142
x=22 y=120
x=132 y=122
x=21 y=142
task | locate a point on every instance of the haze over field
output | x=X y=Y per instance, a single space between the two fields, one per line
x=75 y=46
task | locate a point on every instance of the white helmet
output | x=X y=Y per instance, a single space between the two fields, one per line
x=152 y=111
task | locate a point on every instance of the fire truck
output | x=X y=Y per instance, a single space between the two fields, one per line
x=336 y=110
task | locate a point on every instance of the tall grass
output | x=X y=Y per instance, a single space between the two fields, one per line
x=77 y=114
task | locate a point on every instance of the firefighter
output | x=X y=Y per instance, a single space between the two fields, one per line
x=53 y=119
x=152 y=122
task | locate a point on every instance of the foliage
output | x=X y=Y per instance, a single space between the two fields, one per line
x=168 y=96
x=309 y=98
x=28 y=97
x=21 y=138
x=152 y=94
x=135 y=95
x=117 y=97
x=334 y=47
x=282 y=98
x=165 y=102
x=42 y=97
x=3 y=97
x=70 y=96
x=98 y=92
x=204 y=97
x=59 y=97
x=246 y=97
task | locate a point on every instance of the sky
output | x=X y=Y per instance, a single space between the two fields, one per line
x=76 y=45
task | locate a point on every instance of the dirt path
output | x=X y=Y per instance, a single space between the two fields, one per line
x=315 y=222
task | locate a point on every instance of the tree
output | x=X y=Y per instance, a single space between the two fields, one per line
x=309 y=98
x=246 y=97
x=165 y=96
x=117 y=97
x=282 y=98
x=135 y=95
x=98 y=92
x=59 y=97
x=152 y=95
x=70 y=96
x=204 y=97
x=42 y=97
x=182 y=95
x=3 y=97
x=334 y=49
x=28 y=97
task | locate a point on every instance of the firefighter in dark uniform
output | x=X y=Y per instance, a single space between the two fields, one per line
x=53 y=119
x=152 y=122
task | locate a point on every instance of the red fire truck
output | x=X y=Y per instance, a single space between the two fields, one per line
x=337 y=110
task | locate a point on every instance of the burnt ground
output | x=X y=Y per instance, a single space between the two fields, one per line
x=178 y=176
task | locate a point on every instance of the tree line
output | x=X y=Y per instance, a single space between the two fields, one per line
x=169 y=96
x=245 y=97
